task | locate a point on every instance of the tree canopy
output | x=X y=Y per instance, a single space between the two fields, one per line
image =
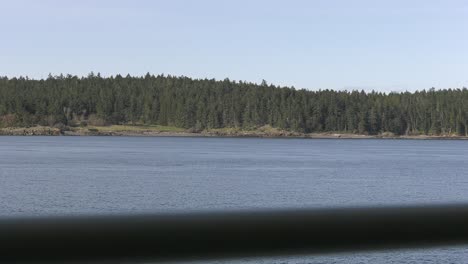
x=207 y=103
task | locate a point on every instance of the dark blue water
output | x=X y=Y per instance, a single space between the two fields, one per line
x=102 y=175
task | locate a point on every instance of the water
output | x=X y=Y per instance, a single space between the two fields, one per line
x=106 y=175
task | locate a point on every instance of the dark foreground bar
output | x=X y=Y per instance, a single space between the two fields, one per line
x=232 y=234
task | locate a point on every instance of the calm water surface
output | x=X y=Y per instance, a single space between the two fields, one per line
x=102 y=175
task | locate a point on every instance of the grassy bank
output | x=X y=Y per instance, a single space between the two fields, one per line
x=135 y=128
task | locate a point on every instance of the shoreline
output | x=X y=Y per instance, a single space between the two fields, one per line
x=148 y=131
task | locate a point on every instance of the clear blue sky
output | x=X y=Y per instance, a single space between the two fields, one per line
x=385 y=45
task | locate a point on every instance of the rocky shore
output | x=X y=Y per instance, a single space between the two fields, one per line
x=30 y=131
x=266 y=132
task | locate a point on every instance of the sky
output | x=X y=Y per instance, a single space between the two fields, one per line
x=392 y=45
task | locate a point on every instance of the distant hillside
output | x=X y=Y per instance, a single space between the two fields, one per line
x=209 y=104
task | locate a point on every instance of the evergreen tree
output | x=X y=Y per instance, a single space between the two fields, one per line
x=207 y=103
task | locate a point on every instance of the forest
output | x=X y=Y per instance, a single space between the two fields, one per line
x=199 y=104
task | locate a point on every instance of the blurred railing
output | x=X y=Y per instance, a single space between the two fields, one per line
x=217 y=235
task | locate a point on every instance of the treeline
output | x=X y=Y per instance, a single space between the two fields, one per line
x=198 y=104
